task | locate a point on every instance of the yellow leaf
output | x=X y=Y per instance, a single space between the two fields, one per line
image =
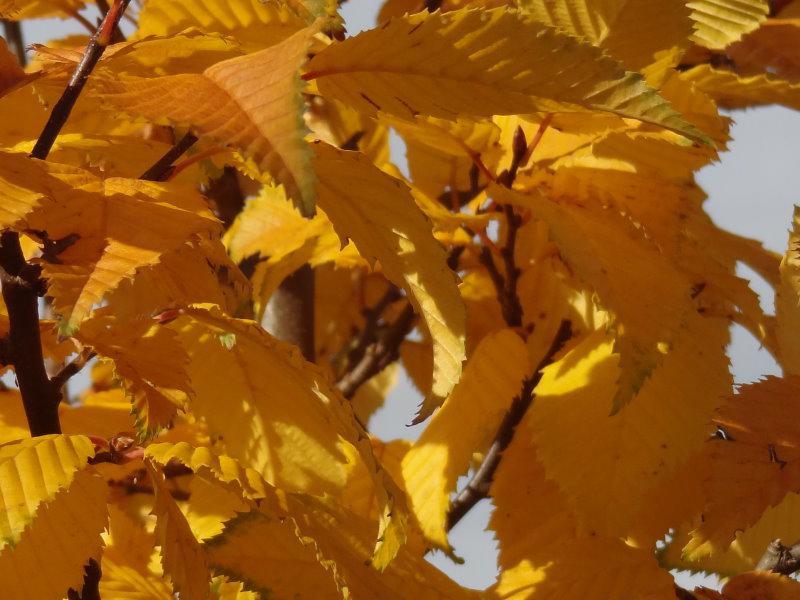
x=344 y=127
x=11 y=74
x=33 y=470
x=606 y=465
x=203 y=461
x=252 y=102
x=102 y=414
x=730 y=90
x=110 y=228
x=371 y=395
x=71 y=522
x=718 y=23
x=751 y=465
x=33 y=9
x=543 y=555
x=787 y=302
x=287 y=566
x=127 y=555
x=378 y=213
x=198 y=271
x=778 y=522
x=253 y=23
x=150 y=361
x=401 y=69
x=181 y=555
x=289 y=416
x=466 y=423
x=630 y=30
x=596 y=243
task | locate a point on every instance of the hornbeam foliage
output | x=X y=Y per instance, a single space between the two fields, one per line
x=202 y=215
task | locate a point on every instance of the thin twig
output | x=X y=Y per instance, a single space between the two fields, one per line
x=13 y=34
x=369 y=333
x=94 y=50
x=379 y=354
x=74 y=367
x=386 y=349
x=479 y=486
x=536 y=139
x=162 y=168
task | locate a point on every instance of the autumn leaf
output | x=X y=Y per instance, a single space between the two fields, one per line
x=181 y=554
x=235 y=111
x=591 y=239
x=74 y=518
x=717 y=23
x=396 y=233
x=253 y=23
x=492 y=379
x=388 y=70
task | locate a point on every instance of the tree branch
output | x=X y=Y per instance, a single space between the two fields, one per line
x=290 y=311
x=379 y=354
x=62 y=109
x=60 y=379
x=382 y=351
x=479 y=486
x=780 y=559
x=162 y=168
x=40 y=397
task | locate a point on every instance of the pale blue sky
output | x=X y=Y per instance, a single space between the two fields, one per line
x=751 y=192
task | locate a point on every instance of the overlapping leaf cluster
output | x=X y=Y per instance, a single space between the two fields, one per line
x=544 y=271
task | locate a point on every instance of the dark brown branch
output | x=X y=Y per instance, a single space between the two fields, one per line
x=479 y=486
x=780 y=559
x=39 y=398
x=60 y=379
x=62 y=109
x=379 y=354
x=12 y=30
x=371 y=331
x=162 y=168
